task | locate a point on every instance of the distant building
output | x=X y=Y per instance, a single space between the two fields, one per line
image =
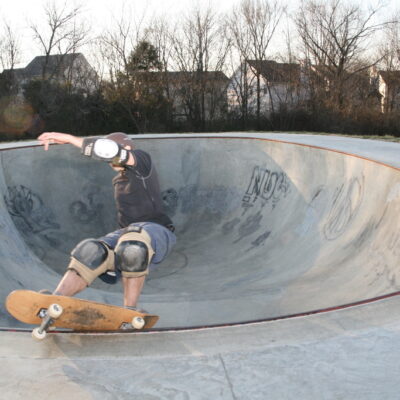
x=281 y=85
x=351 y=88
x=388 y=83
x=65 y=69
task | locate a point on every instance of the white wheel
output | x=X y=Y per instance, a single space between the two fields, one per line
x=138 y=322
x=38 y=335
x=54 y=311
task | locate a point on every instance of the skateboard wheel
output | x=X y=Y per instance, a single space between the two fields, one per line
x=138 y=322
x=38 y=334
x=54 y=311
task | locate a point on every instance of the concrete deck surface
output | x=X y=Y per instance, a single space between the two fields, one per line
x=268 y=225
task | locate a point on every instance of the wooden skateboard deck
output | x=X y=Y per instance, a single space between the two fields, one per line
x=78 y=314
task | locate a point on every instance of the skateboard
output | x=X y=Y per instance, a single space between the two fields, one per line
x=51 y=311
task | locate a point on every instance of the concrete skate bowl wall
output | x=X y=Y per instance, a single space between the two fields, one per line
x=265 y=228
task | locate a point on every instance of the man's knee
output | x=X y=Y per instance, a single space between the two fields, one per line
x=91 y=258
x=133 y=253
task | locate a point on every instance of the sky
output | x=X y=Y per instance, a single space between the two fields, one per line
x=100 y=13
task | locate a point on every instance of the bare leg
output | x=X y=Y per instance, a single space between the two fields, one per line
x=70 y=284
x=132 y=290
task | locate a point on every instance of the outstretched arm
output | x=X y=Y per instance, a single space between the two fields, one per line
x=61 y=138
x=124 y=156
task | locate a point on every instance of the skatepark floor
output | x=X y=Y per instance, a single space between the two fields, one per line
x=283 y=285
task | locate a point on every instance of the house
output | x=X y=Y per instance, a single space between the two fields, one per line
x=388 y=84
x=66 y=69
x=345 y=88
x=277 y=85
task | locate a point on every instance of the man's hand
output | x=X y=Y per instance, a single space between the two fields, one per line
x=47 y=138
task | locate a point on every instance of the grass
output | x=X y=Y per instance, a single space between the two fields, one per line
x=385 y=138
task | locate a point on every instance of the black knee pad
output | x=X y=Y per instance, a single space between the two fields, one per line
x=91 y=258
x=134 y=253
x=91 y=252
x=132 y=257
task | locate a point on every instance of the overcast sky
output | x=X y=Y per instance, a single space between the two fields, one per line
x=99 y=13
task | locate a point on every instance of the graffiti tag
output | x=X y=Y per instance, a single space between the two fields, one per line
x=267 y=186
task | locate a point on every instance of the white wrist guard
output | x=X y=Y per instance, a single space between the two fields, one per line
x=105 y=150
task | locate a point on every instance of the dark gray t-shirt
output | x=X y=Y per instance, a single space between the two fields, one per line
x=136 y=189
x=137 y=193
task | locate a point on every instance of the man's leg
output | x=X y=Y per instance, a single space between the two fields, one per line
x=132 y=289
x=71 y=284
x=133 y=253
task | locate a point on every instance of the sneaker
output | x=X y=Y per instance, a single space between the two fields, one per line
x=45 y=291
x=109 y=277
x=140 y=310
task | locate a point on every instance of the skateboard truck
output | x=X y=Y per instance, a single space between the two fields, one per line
x=48 y=317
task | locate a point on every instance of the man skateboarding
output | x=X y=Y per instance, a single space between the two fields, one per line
x=145 y=236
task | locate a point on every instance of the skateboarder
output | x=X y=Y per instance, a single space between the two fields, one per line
x=145 y=236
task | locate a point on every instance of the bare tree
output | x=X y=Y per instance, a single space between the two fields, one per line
x=9 y=47
x=159 y=34
x=200 y=48
x=14 y=114
x=116 y=45
x=335 y=37
x=389 y=52
x=62 y=33
x=252 y=26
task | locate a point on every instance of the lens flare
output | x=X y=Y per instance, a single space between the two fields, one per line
x=16 y=115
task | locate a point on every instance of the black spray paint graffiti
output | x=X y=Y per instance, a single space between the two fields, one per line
x=170 y=199
x=228 y=227
x=191 y=198
x=251 y=225
x=85 y=211
x=266 y=186
x=260 y=241
x=29 y=209
x=346 y=203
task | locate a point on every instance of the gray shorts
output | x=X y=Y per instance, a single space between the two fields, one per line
x=162 y=240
